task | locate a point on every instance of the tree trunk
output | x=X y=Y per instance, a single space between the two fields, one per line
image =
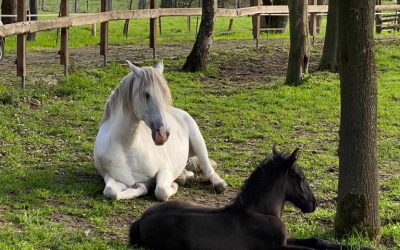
x=357 y=204
x=2 y=40
x=378 y=19
x=9 y=7
x=299 y=42
x=33 y=9
x=330 y=53
x=196 y=61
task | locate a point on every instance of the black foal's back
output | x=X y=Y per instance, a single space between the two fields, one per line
x=179 y=225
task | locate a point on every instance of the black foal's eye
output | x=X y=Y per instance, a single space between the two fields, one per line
x=147 y=95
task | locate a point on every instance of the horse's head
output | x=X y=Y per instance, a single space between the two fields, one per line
x=298 y=191
x=151 y=99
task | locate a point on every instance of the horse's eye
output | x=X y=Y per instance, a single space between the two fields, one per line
x=147 y=95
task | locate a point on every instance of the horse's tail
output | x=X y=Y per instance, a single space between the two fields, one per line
x=134 y=234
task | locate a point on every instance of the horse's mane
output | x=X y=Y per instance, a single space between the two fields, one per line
x=272 y=165
x=123 y=94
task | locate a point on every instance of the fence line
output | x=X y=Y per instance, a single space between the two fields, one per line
x=21 y=28
x=79 y=20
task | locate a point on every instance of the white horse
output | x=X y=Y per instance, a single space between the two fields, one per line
x=143 y=139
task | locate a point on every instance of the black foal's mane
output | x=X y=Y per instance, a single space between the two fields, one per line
x=271 y=167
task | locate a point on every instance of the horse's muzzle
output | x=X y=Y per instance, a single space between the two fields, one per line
x=311 y=206
x=160 y=136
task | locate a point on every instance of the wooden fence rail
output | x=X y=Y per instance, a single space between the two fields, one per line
x=73 y=21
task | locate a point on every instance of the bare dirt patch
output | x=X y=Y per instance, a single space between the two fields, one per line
x=237 y=61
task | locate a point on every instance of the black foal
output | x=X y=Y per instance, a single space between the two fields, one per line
x=252 y=221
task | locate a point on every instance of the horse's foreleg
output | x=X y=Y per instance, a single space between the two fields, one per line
x=199 y=148
x=165 y=187
x=112 y=187
x=130 y=193
x=185 y=177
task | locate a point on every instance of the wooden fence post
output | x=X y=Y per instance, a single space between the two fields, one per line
x=21 y=43
x=257 y=24
x=153 y=29
x=64 y=50
x=104 y=33
x=313 y=23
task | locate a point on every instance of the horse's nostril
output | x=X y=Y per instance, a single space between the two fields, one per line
x=168 y=133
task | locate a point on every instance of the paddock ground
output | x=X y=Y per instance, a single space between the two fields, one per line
x=51 y=192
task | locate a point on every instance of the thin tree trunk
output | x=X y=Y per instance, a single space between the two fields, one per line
x=33 y=9
x=299 y=42
x=378 y=19
x=2 y=41
x=43 y=5
x=357 y=205
x=330 y=53
x=76 y=6
x=197 y=59
x=8 y=7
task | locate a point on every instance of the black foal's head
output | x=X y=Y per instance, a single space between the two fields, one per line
x=276 y=180
x=298 y=191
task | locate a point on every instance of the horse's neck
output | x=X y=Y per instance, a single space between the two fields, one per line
x=124 y=125
x=269 y=201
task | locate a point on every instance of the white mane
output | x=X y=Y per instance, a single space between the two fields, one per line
x=124 y=93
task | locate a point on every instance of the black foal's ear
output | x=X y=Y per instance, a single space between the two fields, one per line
x=275 y=152
x=294 y=157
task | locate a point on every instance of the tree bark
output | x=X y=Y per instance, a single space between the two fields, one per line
x=8 y=7
x=197 y=59
x=33 y=9
x=299 y=42
x=378 y=19
x=357 y=205
x=330 y=51
x=2 y=40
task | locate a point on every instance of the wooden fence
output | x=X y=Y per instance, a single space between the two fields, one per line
x=22 y=27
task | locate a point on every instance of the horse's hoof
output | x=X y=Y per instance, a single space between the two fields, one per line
x=220 y=187
x=181 y=180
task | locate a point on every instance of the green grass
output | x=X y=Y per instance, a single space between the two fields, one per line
x=174 y=29
x=51 y=194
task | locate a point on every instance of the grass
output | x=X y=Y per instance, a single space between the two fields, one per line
x=51 y=194
x=174 y=29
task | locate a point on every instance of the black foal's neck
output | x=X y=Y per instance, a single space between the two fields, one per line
x=264 y=191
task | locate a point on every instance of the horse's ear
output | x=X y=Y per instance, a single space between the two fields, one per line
x=294 y=157
x=136 y=70
x=160 y=66
x=275 y=151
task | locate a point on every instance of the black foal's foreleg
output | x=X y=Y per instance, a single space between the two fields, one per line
x=320 y=244
x=293 y=248
x=134 y=234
